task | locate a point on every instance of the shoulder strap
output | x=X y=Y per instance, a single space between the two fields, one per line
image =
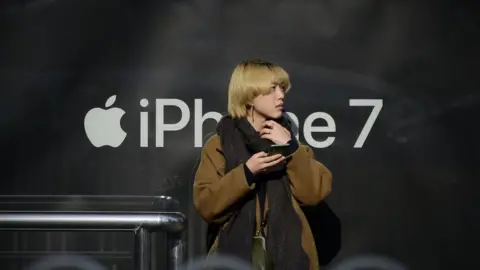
x=262 y=194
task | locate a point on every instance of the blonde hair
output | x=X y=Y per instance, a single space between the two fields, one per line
x=250 y=79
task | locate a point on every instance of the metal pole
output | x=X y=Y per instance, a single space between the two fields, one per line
x=142 y=250
x=176 y=250
x=112 y=221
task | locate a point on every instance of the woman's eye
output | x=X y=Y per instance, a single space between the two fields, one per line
x=273 y=88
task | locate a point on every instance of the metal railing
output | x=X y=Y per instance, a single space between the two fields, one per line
x=143 y=224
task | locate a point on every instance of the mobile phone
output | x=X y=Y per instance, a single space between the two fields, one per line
x=278 y=149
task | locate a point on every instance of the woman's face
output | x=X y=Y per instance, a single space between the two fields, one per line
x=270 y=105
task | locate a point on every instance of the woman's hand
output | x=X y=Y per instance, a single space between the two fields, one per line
x=260 y=162
x=275 y=132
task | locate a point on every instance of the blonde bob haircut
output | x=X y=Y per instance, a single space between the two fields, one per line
x=250 y=79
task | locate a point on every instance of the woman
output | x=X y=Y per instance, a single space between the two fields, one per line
x=251 y=200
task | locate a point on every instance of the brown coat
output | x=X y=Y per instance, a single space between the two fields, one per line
x=214 y=191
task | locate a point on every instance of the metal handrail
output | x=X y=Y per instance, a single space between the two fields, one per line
x=141 y=223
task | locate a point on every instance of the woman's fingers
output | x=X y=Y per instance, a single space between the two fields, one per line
x=264 y=131
x=273 y=162
x=260 y=154
x=269 y=124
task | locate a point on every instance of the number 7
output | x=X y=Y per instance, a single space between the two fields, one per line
x=377 y=106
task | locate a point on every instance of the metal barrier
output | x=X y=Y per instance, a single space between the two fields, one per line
x=143 y=224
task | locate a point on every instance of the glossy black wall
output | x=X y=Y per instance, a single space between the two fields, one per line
x=407 y=193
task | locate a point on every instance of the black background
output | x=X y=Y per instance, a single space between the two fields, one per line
x=407 y=194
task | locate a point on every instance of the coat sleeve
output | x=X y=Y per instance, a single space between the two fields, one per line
x=213 y=192
x=311 y=181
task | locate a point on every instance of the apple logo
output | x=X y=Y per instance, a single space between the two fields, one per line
x=103 y=126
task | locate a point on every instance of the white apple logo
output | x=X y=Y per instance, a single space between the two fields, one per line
x=103 y=126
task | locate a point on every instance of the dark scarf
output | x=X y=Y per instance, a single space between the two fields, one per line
x=239 y=142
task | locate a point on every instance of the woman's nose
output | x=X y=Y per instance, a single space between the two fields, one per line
x=279 y=91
